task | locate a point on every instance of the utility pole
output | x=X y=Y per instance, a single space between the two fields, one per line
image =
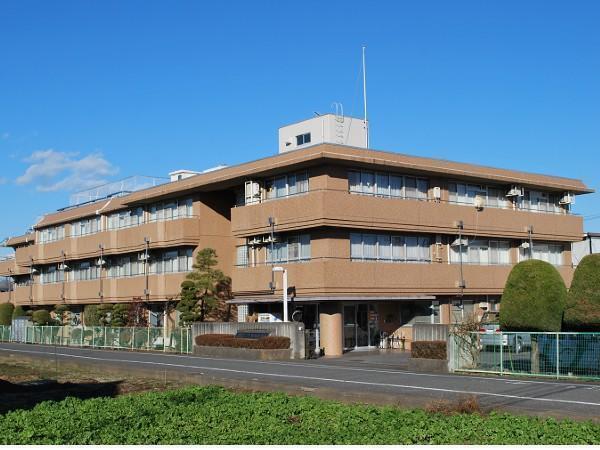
x=364 y=67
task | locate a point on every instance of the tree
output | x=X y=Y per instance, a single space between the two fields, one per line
x=41 y=317
x=18 y=312
x=62 y=314
x=534 y=298
x=137 y=316
x=582 y=312
x=91 y=317
x=6 y=312
x=203 y=289
x=119 y=315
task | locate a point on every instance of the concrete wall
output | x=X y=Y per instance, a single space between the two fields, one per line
x=292 y=330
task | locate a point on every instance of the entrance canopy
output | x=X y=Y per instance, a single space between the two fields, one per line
x=278 y=299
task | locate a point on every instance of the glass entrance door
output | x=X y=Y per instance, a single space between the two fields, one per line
x=360 y=326
x=349 y=326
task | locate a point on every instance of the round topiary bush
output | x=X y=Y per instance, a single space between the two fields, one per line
x=18 y=312
x=6 y=311
x=582 y=312
x=41 y=317
x=534 y=298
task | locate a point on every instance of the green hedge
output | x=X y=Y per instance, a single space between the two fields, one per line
x=211 y=415
x=534 y=298
x=229 y=340
x=582 y=312
x=6 y=312
x=18 y=312
x=41 y=317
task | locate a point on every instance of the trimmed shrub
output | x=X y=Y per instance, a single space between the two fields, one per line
x=534 y=298
x=229 y=340
x=582 y=312
x=119 y=314
x=428 y=349
x=91 y=317
x=18 y=312
x=6 y=312
x=41 y=317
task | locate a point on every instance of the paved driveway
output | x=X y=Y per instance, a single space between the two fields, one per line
x=350 y=378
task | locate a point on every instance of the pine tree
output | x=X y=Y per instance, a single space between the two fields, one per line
x=203 y=288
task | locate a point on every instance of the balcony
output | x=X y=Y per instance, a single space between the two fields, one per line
x=185 y=231
x=162 y=287
x=342 y=209
x=351 y=278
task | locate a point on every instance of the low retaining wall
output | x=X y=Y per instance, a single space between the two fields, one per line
x=428 y=365
x=243 y=353
x=292 y=330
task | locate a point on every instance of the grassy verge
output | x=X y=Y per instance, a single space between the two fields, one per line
x=212 y=415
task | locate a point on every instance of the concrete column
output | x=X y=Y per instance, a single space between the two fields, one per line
x=331 y=334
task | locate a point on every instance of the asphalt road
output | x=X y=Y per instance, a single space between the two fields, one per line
x=348 y=379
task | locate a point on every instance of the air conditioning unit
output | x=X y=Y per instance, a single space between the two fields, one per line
x=478 y=202
x=515 y=191
x=567 y=199
x=254 y=241
x=437 y=193
x=268 y=239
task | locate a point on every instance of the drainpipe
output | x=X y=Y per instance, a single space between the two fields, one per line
x=272 y=225
x=64 y=264
x=530 y=231
x=146 y=271
x=31 y=280
x=460 y=257
x=101 y=291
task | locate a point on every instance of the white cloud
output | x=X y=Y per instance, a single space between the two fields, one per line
x=3 y=180
x=51 y=170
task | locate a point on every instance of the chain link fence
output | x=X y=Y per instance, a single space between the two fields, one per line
x=557 y=355
x=178 y=340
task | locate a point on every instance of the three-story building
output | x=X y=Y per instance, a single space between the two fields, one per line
x=386 y=240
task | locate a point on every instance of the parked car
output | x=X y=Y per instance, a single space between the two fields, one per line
x=579 y=353
x=492 y=336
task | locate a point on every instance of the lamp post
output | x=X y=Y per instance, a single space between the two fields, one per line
x=285 y=294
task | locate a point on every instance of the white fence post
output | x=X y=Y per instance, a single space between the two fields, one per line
x=502 y=353
x=557 y=356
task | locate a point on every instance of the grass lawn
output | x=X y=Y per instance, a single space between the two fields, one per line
x=213 y=415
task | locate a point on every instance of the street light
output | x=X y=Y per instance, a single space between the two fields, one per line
x=285 y=295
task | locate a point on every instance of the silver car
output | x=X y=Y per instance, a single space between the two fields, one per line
x=491 y=336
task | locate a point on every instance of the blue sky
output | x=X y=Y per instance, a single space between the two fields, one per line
x=94 y=91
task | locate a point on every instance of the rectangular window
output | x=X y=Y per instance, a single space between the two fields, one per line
x=242 y=255
x=481 y=252
x=383 y=247
x=551 y=253
x=171 y=209
x=52 y=234
x=286 y=185
x=290 y=249
x=387 y=185
x=303 y=139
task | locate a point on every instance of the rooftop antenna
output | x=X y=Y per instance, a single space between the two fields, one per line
x=364 y=48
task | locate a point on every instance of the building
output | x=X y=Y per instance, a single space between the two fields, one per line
x=386 y=240
x=590 y=244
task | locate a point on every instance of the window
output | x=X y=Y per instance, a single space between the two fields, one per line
x=51 y=234
x=125 y=219
x=383 y=247
x=86 y=226
x=290 y=249
x=551 y=253
x=171 y=209
x=537 y=201
x=387 y=185
x=85 y=270
x=51 y=274
x=302 y=139
x=481 y=252
x=286 y=185
x=465 y=194
x=171 y=261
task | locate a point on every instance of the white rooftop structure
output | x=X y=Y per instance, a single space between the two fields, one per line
x=326 y=128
